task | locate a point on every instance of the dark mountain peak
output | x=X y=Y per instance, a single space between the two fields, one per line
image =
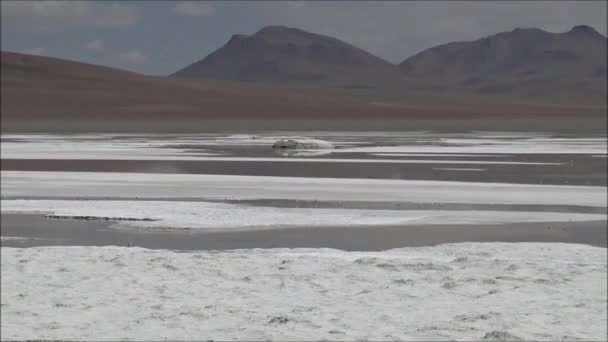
x=276 y=29
x=283 y=34
x=279 y=30
x=521 y=33
x=584 y=30
x=523 y=54
x=273 y=35
x=523 y=30
x=236 y=37
x=280 y=35
x=286 y=54
x=274 y=32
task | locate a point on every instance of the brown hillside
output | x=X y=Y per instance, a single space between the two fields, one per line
x=41 y=93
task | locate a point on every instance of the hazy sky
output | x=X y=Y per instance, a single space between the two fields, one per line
x=160 y=37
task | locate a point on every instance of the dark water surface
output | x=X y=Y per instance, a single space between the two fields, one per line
x=573 y=169
x=42 y=231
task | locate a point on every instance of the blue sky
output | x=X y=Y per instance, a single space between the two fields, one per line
x=160 y=37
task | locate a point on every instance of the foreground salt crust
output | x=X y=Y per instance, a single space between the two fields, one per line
x=467 y=291
x=206 y=215
x=149 y=185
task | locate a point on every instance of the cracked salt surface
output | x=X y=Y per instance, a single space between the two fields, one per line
x=466 y=291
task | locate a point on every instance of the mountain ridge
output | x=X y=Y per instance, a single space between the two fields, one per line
x=528 y=63
x=282 y=54
x=554 y=54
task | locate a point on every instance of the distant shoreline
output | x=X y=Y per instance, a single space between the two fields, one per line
x=588 y=124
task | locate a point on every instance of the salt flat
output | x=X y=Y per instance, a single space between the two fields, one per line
x=149 y=185
x=459 y=291
x=468 y=291
x=205 y=215
x=178 y=147
x=509 y=145
x=91 y=148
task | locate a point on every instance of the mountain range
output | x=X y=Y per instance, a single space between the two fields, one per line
x=282 y=78
x=281 y=54
x=529 y=64
x=523 y=62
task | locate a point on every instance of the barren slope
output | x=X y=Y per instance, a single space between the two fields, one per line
x=567 y=67
x=48 y=94
x=278 y=54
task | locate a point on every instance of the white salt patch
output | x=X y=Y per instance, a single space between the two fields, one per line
x=95 y=150
x=532 y=291
x=546 y=145
x=438 y=155
x=456 y=169
x=142 y=146
x=117 y=185
x=373 y=161
x=246 y=139
x=127 y=147
x=13 y=238
x=203 y=215
x=143 y=151
x=506 y=134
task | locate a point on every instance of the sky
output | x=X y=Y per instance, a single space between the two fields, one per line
x=161 y=37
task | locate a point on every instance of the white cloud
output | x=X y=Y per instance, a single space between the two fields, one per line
x=35 y=51
x=94 y=46
x=52 y=16
x=194 y=9
x=129 y=58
